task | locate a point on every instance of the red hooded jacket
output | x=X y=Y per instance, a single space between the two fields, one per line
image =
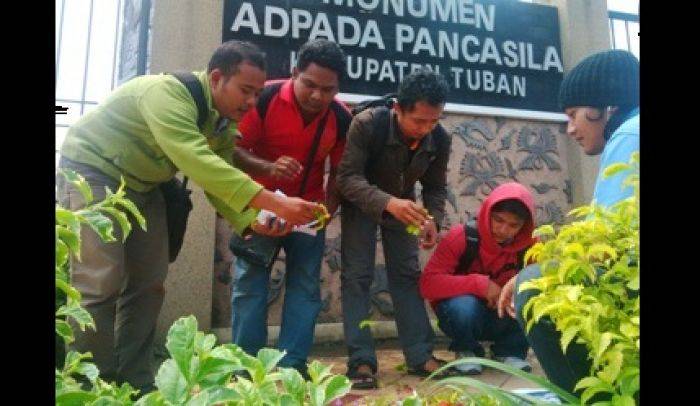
x=439 y=282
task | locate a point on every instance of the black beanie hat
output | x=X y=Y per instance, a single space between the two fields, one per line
x=608 y=78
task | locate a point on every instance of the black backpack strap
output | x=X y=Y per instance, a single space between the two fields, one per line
x=381 y=125
x=195 y=88
x=471 y=238
x=342 y=119
x=521 y=259
x=265 y=98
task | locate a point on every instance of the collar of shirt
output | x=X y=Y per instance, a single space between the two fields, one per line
x=396 y=136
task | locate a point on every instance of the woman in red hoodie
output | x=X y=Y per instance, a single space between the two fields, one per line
x=465 y=296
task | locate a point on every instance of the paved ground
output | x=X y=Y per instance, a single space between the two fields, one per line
x=394 y=384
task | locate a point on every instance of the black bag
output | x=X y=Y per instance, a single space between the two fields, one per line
x=178 y=203
x=262 y=250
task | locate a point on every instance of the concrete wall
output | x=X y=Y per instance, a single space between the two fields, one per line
x=185 y=32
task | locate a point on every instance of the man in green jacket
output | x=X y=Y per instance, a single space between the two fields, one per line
x=146 y=131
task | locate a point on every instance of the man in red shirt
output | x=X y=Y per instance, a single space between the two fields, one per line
x=465 y=294
x=276 y=142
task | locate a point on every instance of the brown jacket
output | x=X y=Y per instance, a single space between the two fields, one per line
x=370 y=173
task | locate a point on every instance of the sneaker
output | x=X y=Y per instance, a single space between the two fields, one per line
x=467 y=368
x=515 y=362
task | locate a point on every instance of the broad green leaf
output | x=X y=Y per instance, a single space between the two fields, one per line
x=101 y=224
x=180 y=343
x=287 y=400
x=612 y=370
x=67 y=218
x=605 y=340
x=629 y=330
x=546 y=230
x=222 y=394
x=71 y=240
x=568 y=335
x=270 y=357
x=574 y=249
x=171 y=383
x=593 y=390
x=318 y=371
x=88 y=370
x=618 y=400
x=293 y=383
x=121 y=219
x=79 y=182
x=76 y=312
x=64 y=330
x=70 y=291
x=77 y=398
x=316 y=394
x=61 y=253
x=131 y=207
x=152 y=399
x=367 y=324
x=614 y=169
x=336 y=387
x=602 y=252
x=634 y=282
x=412 y=401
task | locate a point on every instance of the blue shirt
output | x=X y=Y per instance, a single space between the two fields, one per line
x=619 y=148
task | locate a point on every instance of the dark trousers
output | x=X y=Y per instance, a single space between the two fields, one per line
x=358 y=242
x=121 y=283
x=467 y=320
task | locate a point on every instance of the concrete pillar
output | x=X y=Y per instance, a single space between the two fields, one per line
x=584 y=30
x=184 y=35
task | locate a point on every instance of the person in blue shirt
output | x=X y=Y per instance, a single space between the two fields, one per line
x=600 y=96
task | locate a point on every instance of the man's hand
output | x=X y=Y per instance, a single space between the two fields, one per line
x=505 y=300
x=276 y=228
x=492 y=295
x=406 y=211
x=295 y=210
x=284 y=168
x=430 y=235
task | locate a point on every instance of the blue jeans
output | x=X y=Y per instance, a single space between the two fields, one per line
x=564 y=370
x=302 y=300
x=467 y=320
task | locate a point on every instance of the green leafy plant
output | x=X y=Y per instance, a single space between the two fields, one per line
x=68 y=223
x=198 y=373
x=589 y=289
x=471 y=391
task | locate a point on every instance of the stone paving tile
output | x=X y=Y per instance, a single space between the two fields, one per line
x=396 y=384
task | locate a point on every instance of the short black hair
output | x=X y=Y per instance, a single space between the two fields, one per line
x=513 y=206
x=232 y=53
x=422 y=85
x=324 y=53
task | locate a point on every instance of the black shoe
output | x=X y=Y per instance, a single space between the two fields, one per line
x=422 y=372
x=362 y=380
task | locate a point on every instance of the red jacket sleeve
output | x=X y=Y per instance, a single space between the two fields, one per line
x=251 y=129
x=438 y=280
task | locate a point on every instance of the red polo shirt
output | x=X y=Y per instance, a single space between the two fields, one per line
x=283 y=133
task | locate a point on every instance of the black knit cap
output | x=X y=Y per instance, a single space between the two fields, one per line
x=608 y=78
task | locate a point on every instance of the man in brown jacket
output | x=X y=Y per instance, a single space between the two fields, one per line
x=387 y=151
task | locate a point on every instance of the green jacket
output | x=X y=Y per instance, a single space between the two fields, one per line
x=146 y=131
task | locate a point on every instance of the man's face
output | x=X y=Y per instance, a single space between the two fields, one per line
x=314 y=88
x=420 y=121
x=505 y=226
x=586 y=125
x=233 y=96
